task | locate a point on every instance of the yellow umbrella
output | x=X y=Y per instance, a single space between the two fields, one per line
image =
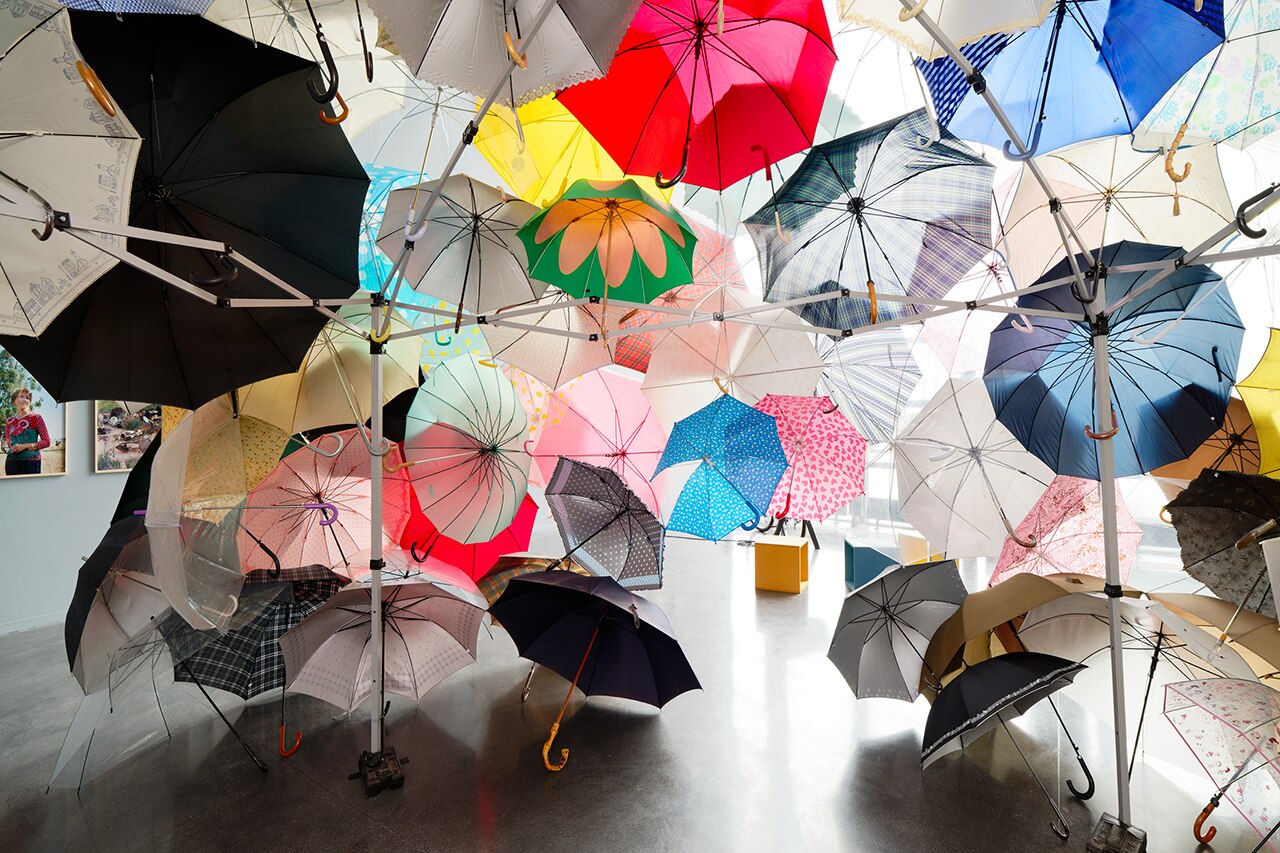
x=541 y=149
x=1261 y=393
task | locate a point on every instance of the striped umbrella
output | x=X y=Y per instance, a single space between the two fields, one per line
x=870 y=377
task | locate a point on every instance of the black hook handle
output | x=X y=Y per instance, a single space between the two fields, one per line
x=1245 y=229
x=1216 y=367
x=413 y=552
x=1089 y=788
x=326 y=95
x=684 y=166
x=230 y=270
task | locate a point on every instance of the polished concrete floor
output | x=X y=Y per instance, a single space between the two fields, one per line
x=772 y=754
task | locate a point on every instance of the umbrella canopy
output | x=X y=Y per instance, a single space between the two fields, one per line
x=1250 y=637
x=286 y=193
x=1075 y=77
x=422 y=538
x=493 y=584
x=1261 y=393
x=696 y=364
x=963 y=22
x=900 y=208
x=287 y=25
x=607 y=421
x=884 y=628
x=1173 y=350
x=555 y=358
x=609 y=238
x=430 y=631
x=1065 y=526
x=740 y=462
x=605 y=526
x=963 y=478
x=1112 y=193
x=48 y=120
x=870 y=377
x=1234 y=447
x=539 y=149
x=711 y=92
x=331 y=387
x=464 y=442
x=989 y=693
x=826 y=457
x=1210 y=516
x=461 y=43
x=318 y=510
x=468 y=253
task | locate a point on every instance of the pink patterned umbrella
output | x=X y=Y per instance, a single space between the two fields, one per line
x=826 y=457
x=279 y=519
x=1064 y=532
x=607 y=422
x=541 y=403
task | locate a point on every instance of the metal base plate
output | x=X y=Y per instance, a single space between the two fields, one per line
x=379 y=771
x=1111 y=836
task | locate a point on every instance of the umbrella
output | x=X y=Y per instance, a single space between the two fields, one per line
x=1065 y=526
x=288 y=25
x=464 y=445
x=137 y=483
x=710 y=91
x=895 y=209
x=609 y=238
x=557 y=342
x=748 y=358
x=131 y=7
x=542 y=405
x=607 y=421
x=332 y=385
x=962 y=477
x=1112 y=193
x=1217 y=510
x=1234 y=447
x=988 y=694
x=962 y=22
x=493 y=584
x=468 y=253
x=1230 y=727
x=49 y=120
x=1224 y=635
x=605 y=526
x=431 y=632
x=1173 y=350
x=740 y=462
x=1076 y=76
x=424 y=541
x=539 y=149
x=282 y=514
x=615 y=642
x=1261 y=393
x=466 y=44
x=885 y=626
x=826 y=457
x=1228 y=95
x=285 y=192
x=870 y=377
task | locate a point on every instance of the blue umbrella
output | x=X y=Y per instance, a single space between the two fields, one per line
x=1173 y=352
x=1091 y=69
x=740 y=463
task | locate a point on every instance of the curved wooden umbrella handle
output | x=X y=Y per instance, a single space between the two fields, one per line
x=546 y=748
x=521 y=61
x=1168 y=158
x=1198 y=826
x=99 y=92
x=1104 y=436
x=875 y=310
x=720 y=385
x=342 y=114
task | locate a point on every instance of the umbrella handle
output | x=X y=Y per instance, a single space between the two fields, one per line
x=297 y=742
x=1104 y=436
x=375 y=451
x=720 y=385
x=1027 y=543
x=546 y=748
x=1242 y=223
x=1198 y=826
x=330 y=512
x=315 y=447
x=1164 y=515
x=665 y=184
x=1022 y=323
x=341 y=116
x=521 y=61
x=1010 y=154
x=324 y=96
x=230 y=270
x=99 y=92
x=1171 y=171
x=905 y=14
x=1089 y=788
x=1252 y=537
x=400 y=466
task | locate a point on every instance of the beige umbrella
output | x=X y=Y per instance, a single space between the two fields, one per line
x=1234 y=447
x=962 y=21
x=1255 y=637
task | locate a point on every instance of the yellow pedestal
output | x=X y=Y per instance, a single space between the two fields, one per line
x=782 y=563
x=913 y=549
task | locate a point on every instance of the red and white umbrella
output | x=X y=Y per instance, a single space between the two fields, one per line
x=826 y=457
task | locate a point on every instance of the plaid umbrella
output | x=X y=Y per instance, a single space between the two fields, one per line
x=870 y=377
x=890 y=208
x=512 y=566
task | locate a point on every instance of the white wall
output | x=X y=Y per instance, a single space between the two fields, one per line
x=47 y=524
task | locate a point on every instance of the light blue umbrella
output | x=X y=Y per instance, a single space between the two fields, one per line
x=740 y=461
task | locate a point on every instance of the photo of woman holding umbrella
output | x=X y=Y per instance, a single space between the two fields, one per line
x=25 y=435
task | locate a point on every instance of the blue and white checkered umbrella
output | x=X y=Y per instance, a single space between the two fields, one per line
x=899 y=208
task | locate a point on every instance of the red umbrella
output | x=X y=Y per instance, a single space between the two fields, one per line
x=710 y=91
x=423 y=540
x=826 y=457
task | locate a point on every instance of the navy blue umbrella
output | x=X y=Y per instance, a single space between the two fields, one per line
x=1173 y=352
x=1093 y=68
x=609 y=641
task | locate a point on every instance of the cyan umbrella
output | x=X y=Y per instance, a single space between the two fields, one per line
x=1173 y=351
x=1091 y=69
x=740 y=463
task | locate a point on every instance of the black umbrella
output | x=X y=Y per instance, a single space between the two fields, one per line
x=137 y=485
x=609 y=641
x=93 y=571
x=986 y=695
x=235 y=152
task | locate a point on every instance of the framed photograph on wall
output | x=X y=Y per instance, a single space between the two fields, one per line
x=34 y=438
x=122 y=433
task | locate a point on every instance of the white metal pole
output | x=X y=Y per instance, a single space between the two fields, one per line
x=375 y=524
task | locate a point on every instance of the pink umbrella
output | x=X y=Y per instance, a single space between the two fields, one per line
x=279 y=518
x=607 y=422
x=826 y=457
x=1063 y=533
x=541 y=403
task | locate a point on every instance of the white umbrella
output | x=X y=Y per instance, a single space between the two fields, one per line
x=65 y=147
x=965 y=481
x=962 y=21
x=871 y=377
x=557 y=342
x=695 y=364
x=431 y=633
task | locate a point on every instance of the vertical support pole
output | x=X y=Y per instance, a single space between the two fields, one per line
x=375 y=524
